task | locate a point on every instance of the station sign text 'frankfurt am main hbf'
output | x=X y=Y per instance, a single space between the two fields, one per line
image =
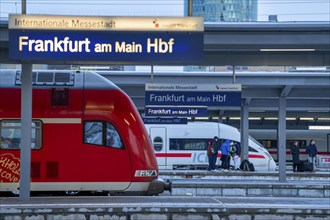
x=185 y=100
x=145 y=40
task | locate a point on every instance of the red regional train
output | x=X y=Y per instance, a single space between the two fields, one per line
x=87 y=136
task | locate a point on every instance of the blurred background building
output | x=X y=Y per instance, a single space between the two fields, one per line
x=226 y=10
x=223 y=11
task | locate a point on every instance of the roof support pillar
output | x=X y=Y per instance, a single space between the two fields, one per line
x=26 y=121
x=244 y=129
x=221 y=113
x=26 y=133
x=282 y=139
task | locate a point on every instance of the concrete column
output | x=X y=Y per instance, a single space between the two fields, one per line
x=244 y=130
x=26 y=121
x=282 y=139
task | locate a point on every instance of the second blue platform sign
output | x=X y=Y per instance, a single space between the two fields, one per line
x=192 y=98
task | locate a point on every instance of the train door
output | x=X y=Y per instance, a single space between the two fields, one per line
x=158 y=139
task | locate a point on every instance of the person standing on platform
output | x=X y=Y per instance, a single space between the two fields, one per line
x=225 y=148
x=311 y=150
x=217 y=145
x=295 y=155
x=236 y=149
x=212 y=153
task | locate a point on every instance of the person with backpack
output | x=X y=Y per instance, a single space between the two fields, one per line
x=212 y=153
x=225 y=158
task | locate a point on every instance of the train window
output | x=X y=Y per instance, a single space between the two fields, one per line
x=102 y=133
x=301 y=144
x=273 y=143
x=252 y=149
x=113 y=138
x=60 y=97
x=268 y=143
x=10 y=132
x=93 y=132
x=158 y=143
x=188 y=144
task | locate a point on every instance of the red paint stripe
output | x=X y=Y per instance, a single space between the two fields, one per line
x=250 y=156
x=256 y=156
x=188 y=155
x=173 y=155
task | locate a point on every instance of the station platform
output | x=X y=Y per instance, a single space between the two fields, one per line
x=158 y=207
x=244 y=175
x=247 y=184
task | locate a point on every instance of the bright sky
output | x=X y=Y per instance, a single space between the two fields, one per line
x=286 y=10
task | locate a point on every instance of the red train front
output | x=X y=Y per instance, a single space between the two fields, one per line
x=87 y=136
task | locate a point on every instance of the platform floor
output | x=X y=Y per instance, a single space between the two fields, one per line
x=180 y=207
x=249 y=184
x=244 y=174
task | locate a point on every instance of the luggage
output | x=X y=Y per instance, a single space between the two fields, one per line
x=246 y=166
x=304 y=166
x=308 y=166
x=301 y=166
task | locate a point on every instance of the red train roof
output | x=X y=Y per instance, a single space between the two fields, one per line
x=57 y=78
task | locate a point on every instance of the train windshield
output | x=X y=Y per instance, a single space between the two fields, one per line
x=255 y=141
x=102 y=133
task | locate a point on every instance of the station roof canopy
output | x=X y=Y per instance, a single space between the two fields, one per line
x=249 y=43
x=246 y=44
x=307 y=93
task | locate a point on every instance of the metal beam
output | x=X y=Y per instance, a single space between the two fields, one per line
x=286 y=90
x=253 y=80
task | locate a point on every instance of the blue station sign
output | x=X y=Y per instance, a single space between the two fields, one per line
x=136 y=39
x=164 y=111
x=165 y=120
x=193 y=95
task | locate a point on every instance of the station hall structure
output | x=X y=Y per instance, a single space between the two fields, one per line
x=272 y=100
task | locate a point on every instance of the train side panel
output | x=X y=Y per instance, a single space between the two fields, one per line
x=114 y=106
x=65 y=156
x=184 y=146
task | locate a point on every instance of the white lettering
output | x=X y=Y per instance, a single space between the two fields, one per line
x=55 y=45
x=219 y=98
x=160 y=46
x=167 y=98
x=22 y=43
x=103 y=48
x=124 y=47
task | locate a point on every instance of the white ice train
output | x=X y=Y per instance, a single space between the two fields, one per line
x=268 y=138
x=183 y=146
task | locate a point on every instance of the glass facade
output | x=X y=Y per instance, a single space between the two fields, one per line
x=226 y=10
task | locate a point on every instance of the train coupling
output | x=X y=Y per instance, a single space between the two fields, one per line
x=158 y=186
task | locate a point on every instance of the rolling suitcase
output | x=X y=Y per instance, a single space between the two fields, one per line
x=309 y=166
x=301 y=166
